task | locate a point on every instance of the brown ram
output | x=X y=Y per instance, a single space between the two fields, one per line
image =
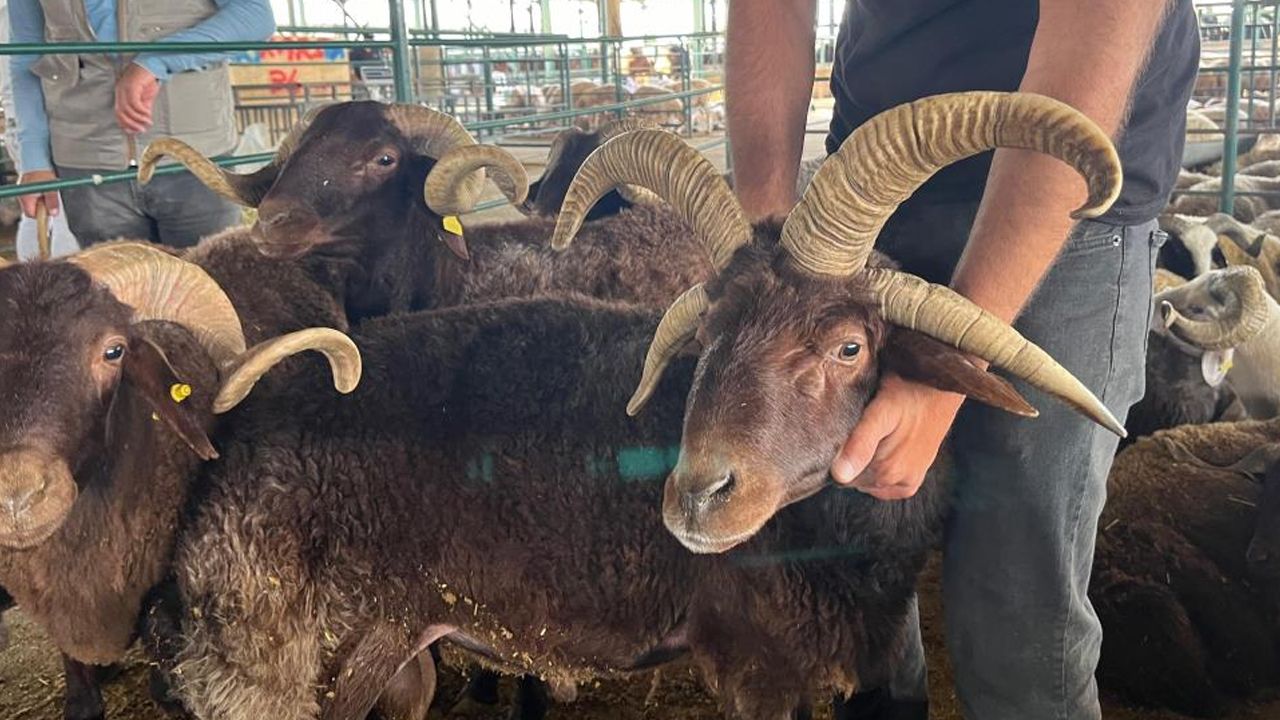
x=376 y=189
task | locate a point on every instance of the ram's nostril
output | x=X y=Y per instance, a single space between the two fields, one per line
x=18 y=502
x=725 y=487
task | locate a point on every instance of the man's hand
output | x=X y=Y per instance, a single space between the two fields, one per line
x=28 y=202
x=897 y=439
x=136 y=92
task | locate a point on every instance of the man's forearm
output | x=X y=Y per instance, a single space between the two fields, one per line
x=26 y=24
x=768 y=83
x=1087 y=54
x=235 y=21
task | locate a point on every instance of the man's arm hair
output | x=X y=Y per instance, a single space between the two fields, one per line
x=1088 y=54
x=768 y=83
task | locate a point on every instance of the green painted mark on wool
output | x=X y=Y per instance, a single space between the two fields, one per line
x=480 y=469
x=647 y=463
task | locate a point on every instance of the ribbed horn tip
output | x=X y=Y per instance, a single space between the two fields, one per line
x=345 y=363
x=151 y=156
x=636 y=403
x=1110 y=422
x=564 y=231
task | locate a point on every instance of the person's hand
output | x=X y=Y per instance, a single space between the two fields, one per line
x=28 y=202
x=136 y=92
x=897 y=439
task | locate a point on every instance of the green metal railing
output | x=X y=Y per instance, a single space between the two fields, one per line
x=443 y=81
x=1251 y=64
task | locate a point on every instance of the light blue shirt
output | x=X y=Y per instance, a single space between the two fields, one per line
x=235 y=21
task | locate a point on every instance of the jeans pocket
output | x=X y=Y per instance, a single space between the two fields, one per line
x=1135 y=285
x=1090 y=236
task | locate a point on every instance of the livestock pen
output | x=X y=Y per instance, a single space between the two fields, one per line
x=517 y=90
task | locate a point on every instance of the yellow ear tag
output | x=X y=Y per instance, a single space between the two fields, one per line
x=452 y=224
x=179 y=392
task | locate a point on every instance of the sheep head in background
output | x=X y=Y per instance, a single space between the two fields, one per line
x=1193 y=252
x=83 y=364
x=1244 y=245
x=794 y=328
x=567 y=153
x=1228 y=316
x=351 y=169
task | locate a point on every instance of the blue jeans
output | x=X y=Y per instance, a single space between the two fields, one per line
x=1018 y=551
x=176 y=210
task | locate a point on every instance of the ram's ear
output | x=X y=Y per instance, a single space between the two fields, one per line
x=921 y=358
x=450 y=234
x=148 y=371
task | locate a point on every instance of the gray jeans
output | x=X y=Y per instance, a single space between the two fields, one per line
x=1018 y=552
x=176 y=210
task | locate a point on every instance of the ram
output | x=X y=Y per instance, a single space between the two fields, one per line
x=1185 y=379
x=112 y=368
x=498 y=432
x=1230 y=311
x=373 y=191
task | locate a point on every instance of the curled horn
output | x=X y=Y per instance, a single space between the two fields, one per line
x=160 y=286
x=832 y=229
x=247 y=190
x=1241 y=324
x=444 y=190
x=661 y=162
x=676 y=328
x=434 y=134
x=245 y=371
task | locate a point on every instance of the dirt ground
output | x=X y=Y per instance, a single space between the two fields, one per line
x=31 y=686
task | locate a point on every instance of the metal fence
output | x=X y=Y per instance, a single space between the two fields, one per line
x=507 y=88
x=1235 y=89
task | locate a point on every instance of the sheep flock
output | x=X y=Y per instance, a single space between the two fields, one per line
x=366 y=458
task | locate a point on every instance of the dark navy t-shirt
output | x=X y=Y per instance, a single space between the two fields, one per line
x=894 y=51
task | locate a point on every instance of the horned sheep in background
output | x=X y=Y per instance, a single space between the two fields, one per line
x=502 y=427
x=1228 y=312
x=375 y=190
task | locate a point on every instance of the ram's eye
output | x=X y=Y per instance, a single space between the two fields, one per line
x=113 y=353
x=386 y=160
x=848 y=351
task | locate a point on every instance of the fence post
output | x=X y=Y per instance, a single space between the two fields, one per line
x=1231 y=144
x=400 y=52
x=488 y=85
